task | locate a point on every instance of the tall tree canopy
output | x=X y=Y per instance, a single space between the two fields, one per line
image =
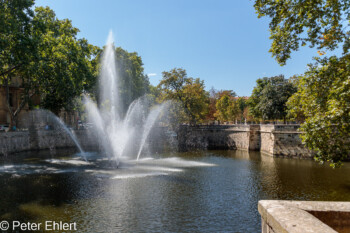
x=45 y=54
x=64 y=65
x=256 y=96
x=17 y=50
x=295 y=23
x=270 y=96
x=16 y=42
x=227 y=109
x=133 y=82
x=190 y=92
x=243 y=110
x=323 y=97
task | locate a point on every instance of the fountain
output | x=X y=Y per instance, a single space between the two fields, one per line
x=47 y=118
x=122 y=137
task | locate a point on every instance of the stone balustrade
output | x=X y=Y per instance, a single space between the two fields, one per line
x=304 y=216
x=276 y=140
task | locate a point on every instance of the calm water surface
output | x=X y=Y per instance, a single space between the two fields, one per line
x=211 y=191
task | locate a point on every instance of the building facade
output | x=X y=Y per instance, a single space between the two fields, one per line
x=16 y=93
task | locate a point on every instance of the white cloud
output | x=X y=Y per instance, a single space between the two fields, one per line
x=151 y=74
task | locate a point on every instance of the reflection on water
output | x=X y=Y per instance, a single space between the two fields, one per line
x=179 y=192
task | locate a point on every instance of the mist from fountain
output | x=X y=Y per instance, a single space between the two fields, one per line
x=46 y=117
x=121 y=137
x=72 y=136
x=151 y=119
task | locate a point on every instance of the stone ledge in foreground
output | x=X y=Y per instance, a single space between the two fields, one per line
x=304 y=216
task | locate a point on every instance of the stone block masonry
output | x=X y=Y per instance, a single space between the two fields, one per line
x=275 y=140
x=214 y=137
x=283 y=140
x=13 y=142
x=304 y=216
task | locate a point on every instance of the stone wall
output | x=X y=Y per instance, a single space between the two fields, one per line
x=282 y=140
x=12 y=142
x=214 y=137
x=276 y=140
x=304 y=216
x=254 y=137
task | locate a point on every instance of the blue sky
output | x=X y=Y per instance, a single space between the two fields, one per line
x=220 y=41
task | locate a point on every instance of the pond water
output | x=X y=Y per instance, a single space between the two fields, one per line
x=207 y=191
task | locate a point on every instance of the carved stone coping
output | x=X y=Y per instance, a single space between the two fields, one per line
x=304 y=216
x=281 y=132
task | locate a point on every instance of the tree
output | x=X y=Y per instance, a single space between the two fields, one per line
x=154 y=93
x=63 y=67
x=175 y=85
x=322 y=90
x=18 y=49
x=212 y=105
x=44 y=54
x=227 y=109
x=294 y=23
x=256 y=97
x=16 y=44
x=214 y=96
x=242 y=104
x=294 y=103
x=270 y=97
x=324 y=99
x=133 y=82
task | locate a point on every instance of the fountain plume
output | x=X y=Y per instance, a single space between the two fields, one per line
x=121 y=137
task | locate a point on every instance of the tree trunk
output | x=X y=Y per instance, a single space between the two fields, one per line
x=7 y=88
x=14 y=114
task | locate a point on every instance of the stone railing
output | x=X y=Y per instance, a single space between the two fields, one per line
x=276 y=140
x=282 y=140
x=12 y=142
x=304 y=216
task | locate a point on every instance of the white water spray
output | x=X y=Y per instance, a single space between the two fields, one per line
x=120 y=137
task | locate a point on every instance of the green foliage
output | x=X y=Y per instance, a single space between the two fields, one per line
x=212 y=105
x=44 y=53
x=17 y=50
x=294 y=23
x=324 y=99
x=254 y=99
x=214 y=97
x=227 y=109
x=269 y=98
x=133 y=82
x=154 y=93
x=294 y=103
x=16 y=43
x=175 y=85
x=242 y=104
x=64 y=63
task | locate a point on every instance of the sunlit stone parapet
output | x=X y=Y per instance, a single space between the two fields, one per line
x=13 y=142
x=283 y=140
x=274 y=140
x=304 y=216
